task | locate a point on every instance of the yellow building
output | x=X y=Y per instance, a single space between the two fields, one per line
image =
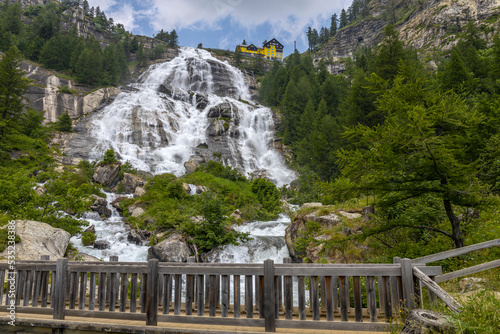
x=270 y=50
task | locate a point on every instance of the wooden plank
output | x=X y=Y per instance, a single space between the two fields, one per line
x=344 y=297
x=177 y=294
x=167 y=293
x=371 y=298
x=143 y=292
x=133 y=293
x=408 y=284
x=249 y=296
x=261 y=297
x=200 y=301
x=60 y=291
x=83 y=290
x=2 y=281
x=277 y=298
x=224 y=296
x=92 y=291
x=214 y=321
x=347 y=327
x=436 y=289
x=72 y=293
x=432 y=295
x=115 y=280
x=269 y=296
x=107 y=315
x=52 y=287
x=257 y=293
x=189 y=294
x=335 y=285
x=339 y=270
x=102 y=291
x=302 y=298
x=328 y=301
x=211 y=295
x=28 y=287
x=314 y=301
x=323 y=293
x=468 y=271
x=217 y=291
x=21 y=274
x=236 y=296
x=358 y=306
x=288 y=294
x=381 y=294
x=387 y=298
x=36 y=289
x=457 y=252
x=395 y=289
x=123 y=292
x=45 y=288
x=152 y=295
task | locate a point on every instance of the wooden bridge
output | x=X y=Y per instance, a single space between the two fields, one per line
x=358 y=297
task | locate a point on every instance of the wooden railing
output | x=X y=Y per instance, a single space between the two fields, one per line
x=339 y=296
x=434 y=290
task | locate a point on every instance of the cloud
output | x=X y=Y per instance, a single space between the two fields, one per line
x=102 y=4
x=288 y=18
x=125 y=15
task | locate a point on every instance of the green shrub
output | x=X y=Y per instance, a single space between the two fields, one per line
x=88 y=238
x=267 y=193
x=64 y=123
x=109 y=157
x=67 y=90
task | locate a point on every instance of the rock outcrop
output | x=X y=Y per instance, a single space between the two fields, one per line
x=100 y=205
x=130 y=182
x=39 y=239
x=172 y=249
x=107 y=175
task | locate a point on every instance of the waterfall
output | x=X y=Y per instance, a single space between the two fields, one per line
x=181 y=110
x=159 y=124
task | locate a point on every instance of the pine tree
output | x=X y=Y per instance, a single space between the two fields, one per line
x=174 y=39
x=333 y=25
x=141 y=55
x=390 y=53
x=12 y=88
x=343 y=19
x=454 y=74
x=86 y=6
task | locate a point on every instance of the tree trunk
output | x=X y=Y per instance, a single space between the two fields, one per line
x=455 y=224
x=422 y=321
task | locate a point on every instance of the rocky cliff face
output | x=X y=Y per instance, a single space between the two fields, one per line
x=44 y=94
x=426 y=25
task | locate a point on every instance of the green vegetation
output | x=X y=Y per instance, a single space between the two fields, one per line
x=205 y=217
x=421 y=146
x=88 y=238
x=4 y=239
x=109 y=157
x=64 y=123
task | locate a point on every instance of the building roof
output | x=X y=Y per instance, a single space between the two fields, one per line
x=274 y=42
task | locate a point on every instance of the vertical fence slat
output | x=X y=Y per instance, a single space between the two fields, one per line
x=335 y=285
x=143 y=292
x=302 y=298
x=102 y=291
x=45 y=288
x=92 y=291
x=358 y=310
x=152 y=295
x=28 y=289
x=314 y=302
x=37 y=280
x=288 y=293
x=123 y=292
x=277 y=296
x=387 y=298
x=249 y=296
x=83 y=290
x=269 y=290
x=21 y=274
x=257 y=293
x=261 y=297
x=395 y=289
x=177 y=294
x=328 y=301
x=224 y=296
x=60 y=292
x=381 y=294
x=189 y=294
x=408 y=284
x=344 y=298
x=200 y=302
x=371 y=298
x=236 y=296
x=133 y=293
x=432 y=296
x=211 y=295
x=73 y=276
x=167 y=293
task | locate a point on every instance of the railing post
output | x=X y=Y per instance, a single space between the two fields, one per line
x=152 y=295
x=408 y=284
x=395 y=289
x=60 y=288
x=269 y=296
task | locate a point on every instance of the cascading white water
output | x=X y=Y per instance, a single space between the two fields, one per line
x=114 y=230
x=157 y=124
x=158 y=132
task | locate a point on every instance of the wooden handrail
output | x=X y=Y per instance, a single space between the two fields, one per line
x=468 y=271
x=457 y=252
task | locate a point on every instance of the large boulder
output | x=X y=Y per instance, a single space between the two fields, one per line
x=138 y=237
x=107 y=175
x=130 y=182
x=39 y=239
x=102 y=244
x=100 y=205
x=172 y=249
